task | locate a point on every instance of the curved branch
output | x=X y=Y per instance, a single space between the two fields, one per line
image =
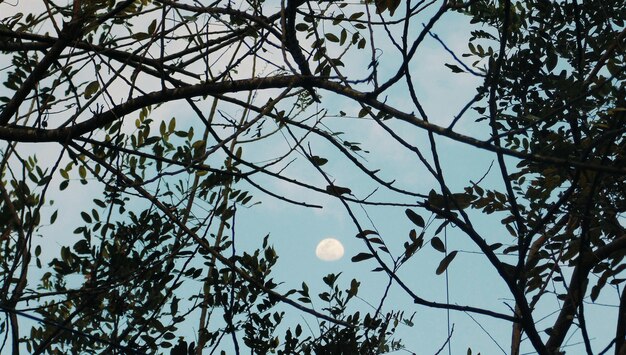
x=25 y=134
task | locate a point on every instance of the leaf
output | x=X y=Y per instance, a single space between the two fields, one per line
x=354 y=288
x=152 y=27
x=376 y=241
x=495 y=246
x=443 y=265
x=172 y=125
x=415 y=218
x=420 y=240
x=165 y=344
x=86 y=217
x=324 y=296
x=356 y=15
x=319 y=53
x=305 y=290
x=438 y=244
x=181 y=348
x=392 y=5
x=331 y=37
x=91 y=89
x=54 y=216
x=463 y=200
x=238 y=152
x=337 y=190
x=435 y=199
x=365 y=233
x=361 y=43
x=318 y=161
x=382 y=5
x=455 y=69
x=330 y=279
x=99 y=203
x=81 y=247
x=82 y=172
x=139 y=36
x=510 y=249
x=595 y=292
x=416 y=243
x=337 y=19
x=361 y=257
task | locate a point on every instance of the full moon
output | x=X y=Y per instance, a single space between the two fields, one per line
x=329 y=249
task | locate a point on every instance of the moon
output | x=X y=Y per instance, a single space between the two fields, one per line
x=329 y=249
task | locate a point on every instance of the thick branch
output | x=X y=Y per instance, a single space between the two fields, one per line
x=24 y=134
x=577 y=290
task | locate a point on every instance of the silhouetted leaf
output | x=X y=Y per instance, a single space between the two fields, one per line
x=86 y=217
x=91 y=89
x=455 y=69
x=415 y=218
x=361 y=257
x=81 y=247
x=318 y=161
x=376 y=241
x=495 y=246
x=365 y=233
x=331 y=37
x=354 y=288
x=443 y=265
x=438 y=244
x=337 y=190
x=454 y=202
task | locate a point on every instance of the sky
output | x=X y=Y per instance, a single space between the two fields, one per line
x=295 y=231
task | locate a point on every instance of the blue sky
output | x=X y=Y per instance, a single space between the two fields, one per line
x=295 y=231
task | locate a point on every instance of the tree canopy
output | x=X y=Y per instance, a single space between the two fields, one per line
x=164 y=122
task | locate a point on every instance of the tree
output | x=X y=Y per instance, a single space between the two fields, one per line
x=93 y=82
